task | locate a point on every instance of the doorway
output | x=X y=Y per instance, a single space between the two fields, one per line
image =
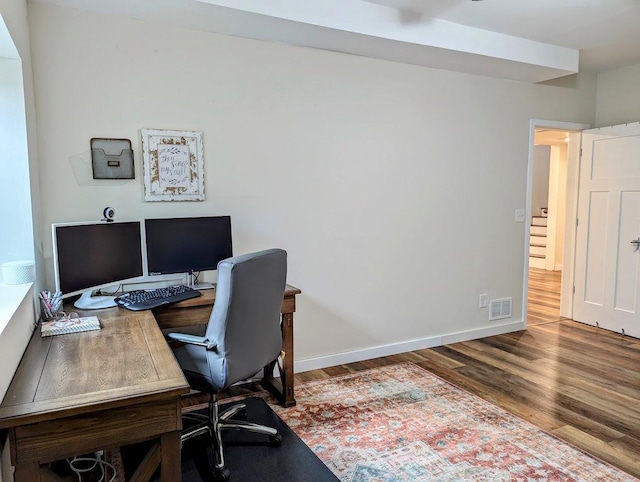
x=547 y=206
x=550 y=231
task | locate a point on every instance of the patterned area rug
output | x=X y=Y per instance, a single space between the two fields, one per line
x=402 y=423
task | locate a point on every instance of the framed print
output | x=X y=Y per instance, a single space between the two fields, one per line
x=173 y=165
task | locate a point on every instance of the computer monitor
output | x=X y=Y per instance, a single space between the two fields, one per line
x=187 y=245
x=88 y=256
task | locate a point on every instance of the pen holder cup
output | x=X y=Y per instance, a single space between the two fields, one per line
x=50 y=313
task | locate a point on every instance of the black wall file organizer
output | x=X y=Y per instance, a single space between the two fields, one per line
x=112 y=158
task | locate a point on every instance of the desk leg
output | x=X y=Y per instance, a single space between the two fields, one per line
x=170 y=467
x=282 y=389
x=29 y=472
x=287 y=369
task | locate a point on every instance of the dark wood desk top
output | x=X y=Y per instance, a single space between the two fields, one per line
x=209 y=296
x=65 y=375
x=196 y=311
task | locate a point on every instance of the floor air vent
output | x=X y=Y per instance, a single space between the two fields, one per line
x=500 y=308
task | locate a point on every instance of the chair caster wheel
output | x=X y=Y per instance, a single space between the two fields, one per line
x=222 y=475
x=275 y=440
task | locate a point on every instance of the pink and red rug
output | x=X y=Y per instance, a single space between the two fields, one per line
x=402 y=423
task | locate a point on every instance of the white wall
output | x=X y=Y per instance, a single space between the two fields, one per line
x=15 y=197
x=14 y=336
x=19 y=155
x=382 y=180
x=540 y=179
x=618 y=98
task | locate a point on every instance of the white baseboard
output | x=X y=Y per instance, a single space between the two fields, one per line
x=402 y=347
x=498 y=329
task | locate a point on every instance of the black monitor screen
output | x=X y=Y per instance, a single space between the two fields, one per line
x=89 y=256
x=184 y=245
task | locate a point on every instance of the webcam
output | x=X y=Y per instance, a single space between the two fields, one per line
x=109 y=214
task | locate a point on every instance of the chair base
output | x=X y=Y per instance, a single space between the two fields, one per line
x=214 y=423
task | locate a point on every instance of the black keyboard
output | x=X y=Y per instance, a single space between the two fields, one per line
x=139 y=300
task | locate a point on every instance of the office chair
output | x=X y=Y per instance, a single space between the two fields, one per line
x=242 y=336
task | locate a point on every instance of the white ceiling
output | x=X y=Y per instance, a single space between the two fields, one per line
x=528 y=40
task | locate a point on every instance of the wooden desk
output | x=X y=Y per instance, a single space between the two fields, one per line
x=79 y=393
x=196 y=311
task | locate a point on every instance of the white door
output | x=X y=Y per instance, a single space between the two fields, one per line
x=607 y=261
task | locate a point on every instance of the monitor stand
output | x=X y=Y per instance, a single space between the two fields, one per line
x=203 y=286
x=198 y=286
x=88 y=302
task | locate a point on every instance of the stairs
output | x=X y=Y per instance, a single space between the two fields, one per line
x=538 y=240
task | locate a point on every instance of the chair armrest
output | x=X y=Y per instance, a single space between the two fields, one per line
x=193 y=340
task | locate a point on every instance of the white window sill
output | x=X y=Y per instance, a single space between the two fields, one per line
x=17 y=316
x=11 y=297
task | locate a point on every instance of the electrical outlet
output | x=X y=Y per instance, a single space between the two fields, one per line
x=483 y=301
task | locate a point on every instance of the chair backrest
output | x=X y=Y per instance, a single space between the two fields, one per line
x=245 y=320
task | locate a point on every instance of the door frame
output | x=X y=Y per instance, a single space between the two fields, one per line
x=573 y=171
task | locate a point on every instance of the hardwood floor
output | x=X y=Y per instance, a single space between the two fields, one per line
x=575 y=381
x=544 y=296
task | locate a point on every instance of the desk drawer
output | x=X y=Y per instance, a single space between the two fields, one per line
x=65 y=437
x=196 y=311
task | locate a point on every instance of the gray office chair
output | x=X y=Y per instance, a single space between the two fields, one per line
x=242 y=336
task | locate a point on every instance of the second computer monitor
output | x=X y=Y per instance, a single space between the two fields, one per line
x=187 y=245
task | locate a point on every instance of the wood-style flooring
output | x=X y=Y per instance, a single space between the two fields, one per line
x=544 y=296
x=575 y=381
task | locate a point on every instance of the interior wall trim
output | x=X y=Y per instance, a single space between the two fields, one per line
x=402 y=347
